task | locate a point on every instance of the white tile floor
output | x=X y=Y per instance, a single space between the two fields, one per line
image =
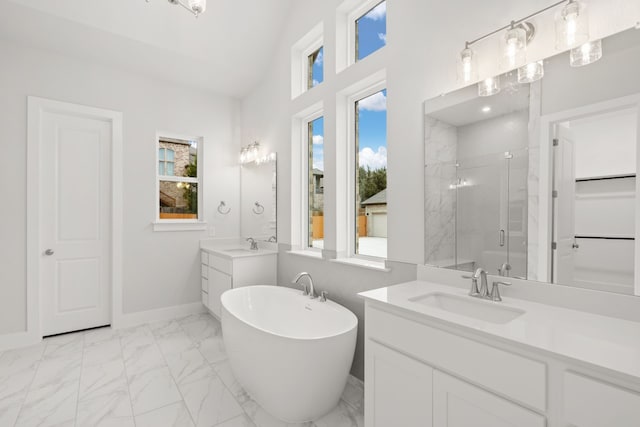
x=172 y=373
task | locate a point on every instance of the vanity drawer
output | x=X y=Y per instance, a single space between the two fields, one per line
x=591 y=403
x=516 y=377
x=204 y=258
x=221 y=264
x=204 y=271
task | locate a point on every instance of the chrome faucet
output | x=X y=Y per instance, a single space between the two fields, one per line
x=310 y=291
x=272 y=239
x=504 y=269
x=483 y=292
x=254 y=243
x=495 y=290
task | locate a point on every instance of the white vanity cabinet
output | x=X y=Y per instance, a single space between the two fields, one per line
x=404 y=378
x=221 y=272
x=421 y=373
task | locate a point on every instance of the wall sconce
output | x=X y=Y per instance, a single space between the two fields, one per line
x=252 y=153
x=468 y=65
x=572 y=25
x=572 y=32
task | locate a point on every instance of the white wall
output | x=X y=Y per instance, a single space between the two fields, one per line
x=424 y=38
x=160 y=269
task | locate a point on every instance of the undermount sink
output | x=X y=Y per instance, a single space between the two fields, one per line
x=238 y=250
x=487 y=311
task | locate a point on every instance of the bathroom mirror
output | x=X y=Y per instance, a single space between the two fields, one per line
x=258 y=198
x=539 y=181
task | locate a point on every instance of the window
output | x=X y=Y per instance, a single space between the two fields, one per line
x=371 y=175
x=315 y=170
x=178 y=180
x=315 y=68
x=371 y=31
x=166 y=164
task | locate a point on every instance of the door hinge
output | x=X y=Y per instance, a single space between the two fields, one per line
x=556 y=141
x=554 y=246
x=554 y=193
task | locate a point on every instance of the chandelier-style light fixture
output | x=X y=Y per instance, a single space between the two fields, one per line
x=197 y=7
x=572 y=33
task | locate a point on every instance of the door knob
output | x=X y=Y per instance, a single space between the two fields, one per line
x=48 y=252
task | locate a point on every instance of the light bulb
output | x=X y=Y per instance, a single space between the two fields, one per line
x=586 y=54
x=572 y=25
x=531 y=72
x=514 y=46
x=490 y=86
x=467 y=67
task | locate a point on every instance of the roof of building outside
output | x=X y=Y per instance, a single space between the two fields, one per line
x=318 y=172
x=377 y=199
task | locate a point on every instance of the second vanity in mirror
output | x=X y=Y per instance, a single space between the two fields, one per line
x=539 y=181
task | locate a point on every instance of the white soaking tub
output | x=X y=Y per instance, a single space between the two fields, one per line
x=291 y=354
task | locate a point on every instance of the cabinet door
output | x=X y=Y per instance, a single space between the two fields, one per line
x=460 y=404
x=591 y=403
x=397 y=389
x=218 y=283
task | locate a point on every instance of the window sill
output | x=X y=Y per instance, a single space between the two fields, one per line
x=309 y=254
x=179 y=226
x=364 y=263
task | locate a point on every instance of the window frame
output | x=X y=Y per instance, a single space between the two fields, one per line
x=309 y=67
x=165 y=161
x=164 y=224
x=306 y=136
x=300 y=53
x=352 y=38
x=352 y=168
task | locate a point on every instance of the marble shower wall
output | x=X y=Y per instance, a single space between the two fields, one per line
x=441 y=142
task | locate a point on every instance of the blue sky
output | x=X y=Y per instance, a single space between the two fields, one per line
x=372 y=30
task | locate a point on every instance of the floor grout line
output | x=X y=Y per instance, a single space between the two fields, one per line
x=126 y=374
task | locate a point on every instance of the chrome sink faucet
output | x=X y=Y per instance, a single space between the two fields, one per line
x=254 y=243
x=310 y=291
x=483 y=292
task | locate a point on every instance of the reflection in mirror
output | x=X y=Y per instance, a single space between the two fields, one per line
x=539 y=181
x=259 y=199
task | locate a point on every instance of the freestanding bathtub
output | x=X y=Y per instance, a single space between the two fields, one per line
x=291 y=354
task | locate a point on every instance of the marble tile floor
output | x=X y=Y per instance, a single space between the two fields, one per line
x=172 y=373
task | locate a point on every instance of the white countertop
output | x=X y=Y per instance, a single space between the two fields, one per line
x=234 y=250
x=598 y=340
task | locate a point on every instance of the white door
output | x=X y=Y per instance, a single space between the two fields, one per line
x=459 y=404
x=397 y=389
x=564 y=206
x=75 y=222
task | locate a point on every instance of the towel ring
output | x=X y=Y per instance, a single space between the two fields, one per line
x=221 y=208
x=258 y=209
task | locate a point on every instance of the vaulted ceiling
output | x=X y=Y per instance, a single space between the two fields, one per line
x=224 y=50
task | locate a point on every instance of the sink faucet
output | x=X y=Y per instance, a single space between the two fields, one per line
x=254 y=244
x=272 y=239
x=311 y=290
x=504 y=269
x=481 y=274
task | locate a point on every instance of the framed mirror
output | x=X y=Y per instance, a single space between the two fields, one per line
x=539 y=181
x=258 y=198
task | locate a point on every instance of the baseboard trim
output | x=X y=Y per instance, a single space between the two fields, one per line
x=17 y=340
x=128 y=320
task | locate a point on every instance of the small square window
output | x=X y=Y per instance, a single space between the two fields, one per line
x=371 y=31
x=315 y=66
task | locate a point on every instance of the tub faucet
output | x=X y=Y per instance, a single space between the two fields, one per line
x=254 y=244
x=307 y=291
